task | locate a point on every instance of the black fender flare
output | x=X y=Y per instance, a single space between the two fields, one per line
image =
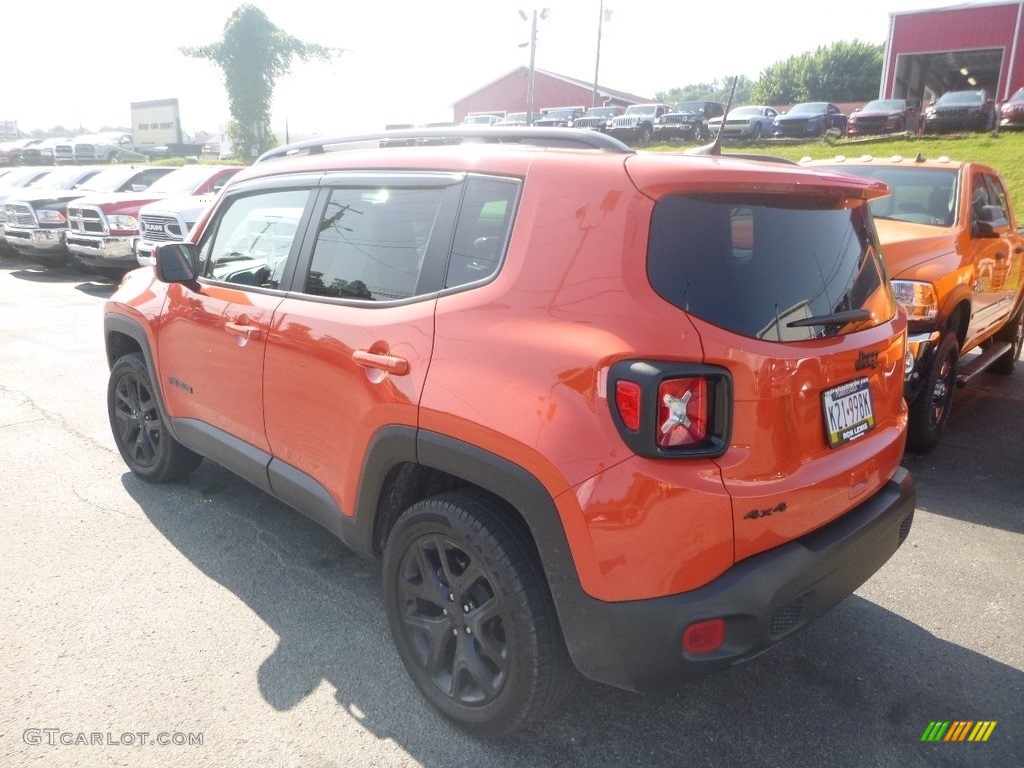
x=136 y=331
x=517 y=487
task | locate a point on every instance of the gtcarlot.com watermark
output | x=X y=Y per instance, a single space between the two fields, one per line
x=60 y=737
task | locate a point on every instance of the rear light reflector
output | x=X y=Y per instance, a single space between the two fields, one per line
x=682 y=412
x=627 y=400
x=704 y=636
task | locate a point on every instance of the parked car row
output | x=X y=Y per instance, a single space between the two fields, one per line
x=95 y=216
x=972 y=110
x=111 y=147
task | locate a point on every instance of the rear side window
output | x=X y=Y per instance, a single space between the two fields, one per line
x=482 y=231
x=372 y=243
x=762 y=267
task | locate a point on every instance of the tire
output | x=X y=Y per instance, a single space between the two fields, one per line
x=930 y=410
x=1013 y=332
x=140 y=431
x=471 y=615
x=646 y=131
x=755 y=133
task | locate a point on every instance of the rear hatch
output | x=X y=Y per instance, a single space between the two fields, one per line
x=780 y=273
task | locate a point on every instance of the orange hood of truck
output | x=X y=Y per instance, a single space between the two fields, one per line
x=906 y=246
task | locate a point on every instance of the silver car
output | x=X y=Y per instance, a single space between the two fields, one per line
x=750 y=123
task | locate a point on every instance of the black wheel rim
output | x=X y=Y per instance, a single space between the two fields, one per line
x=943 y=391
x=137 y=419
x=452 y=621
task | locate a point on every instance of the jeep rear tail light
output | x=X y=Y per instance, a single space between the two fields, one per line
x=670 y=409
x=682 y=412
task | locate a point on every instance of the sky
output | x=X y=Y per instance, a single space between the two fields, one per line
x=406 y=61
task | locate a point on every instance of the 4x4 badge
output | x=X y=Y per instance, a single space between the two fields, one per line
x=866 y=360
x=754 y=514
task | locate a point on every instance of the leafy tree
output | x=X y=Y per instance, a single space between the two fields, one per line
x=253 y=54
x=717 y=90
x=845 y=71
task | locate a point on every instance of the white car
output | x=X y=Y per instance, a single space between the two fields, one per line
x=751 y=123
x=168 y=220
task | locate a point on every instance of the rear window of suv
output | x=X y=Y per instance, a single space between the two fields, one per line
x=758 y=266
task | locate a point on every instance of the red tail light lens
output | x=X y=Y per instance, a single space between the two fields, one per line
x=627 y=400
x=682 y=412
x=704 y=636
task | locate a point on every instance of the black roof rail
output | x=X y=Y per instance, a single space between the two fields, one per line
x=563 y=138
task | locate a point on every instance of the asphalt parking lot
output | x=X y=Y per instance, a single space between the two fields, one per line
x=205 y=624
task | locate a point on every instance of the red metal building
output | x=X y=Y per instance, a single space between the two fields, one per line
x=508 y=94
x=962 y=47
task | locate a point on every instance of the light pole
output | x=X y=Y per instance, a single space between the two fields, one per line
x=602 y=17
x=533 y=59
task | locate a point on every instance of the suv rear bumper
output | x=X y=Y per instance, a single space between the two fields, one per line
x=638 y=645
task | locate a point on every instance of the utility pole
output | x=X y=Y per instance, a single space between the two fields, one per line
x=597 y=62
x=533 y=59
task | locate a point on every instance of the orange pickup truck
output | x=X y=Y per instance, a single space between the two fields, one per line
x=955 y=258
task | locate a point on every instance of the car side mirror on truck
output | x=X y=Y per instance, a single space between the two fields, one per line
x=990 y=222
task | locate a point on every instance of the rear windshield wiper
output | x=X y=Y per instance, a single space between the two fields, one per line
x=836 y=318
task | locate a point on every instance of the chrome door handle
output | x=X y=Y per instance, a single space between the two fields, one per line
x=396 y=365
x=248 y=331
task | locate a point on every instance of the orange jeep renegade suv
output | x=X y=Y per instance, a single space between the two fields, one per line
x=636 y=415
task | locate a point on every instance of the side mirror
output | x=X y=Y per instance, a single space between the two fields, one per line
x=176 y=262
x=990 y=221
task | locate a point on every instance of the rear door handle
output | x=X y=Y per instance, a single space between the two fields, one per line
x=396 y=365
x=248 y=331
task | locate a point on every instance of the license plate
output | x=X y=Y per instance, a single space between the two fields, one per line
x=849 y=413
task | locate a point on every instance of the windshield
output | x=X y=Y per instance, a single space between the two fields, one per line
x=62 y=179
x=762 y=266
x=1018 y=96
x=960 y=98
x=641 y=109
x=560 y=113
x=688 y=106
x=810 y=108
x=109 y=180
x=477 y=119
x=183 y=181
x=884 y=105
x=746 y=112
x=515 y=116
x=21 y=177
x=919 y=195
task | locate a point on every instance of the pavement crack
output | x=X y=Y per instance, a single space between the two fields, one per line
x=53 y=417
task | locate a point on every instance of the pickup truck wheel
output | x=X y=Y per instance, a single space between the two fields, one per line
x=139 y=429
x=930 y=410
x=471 y=616
x=1013 y=332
